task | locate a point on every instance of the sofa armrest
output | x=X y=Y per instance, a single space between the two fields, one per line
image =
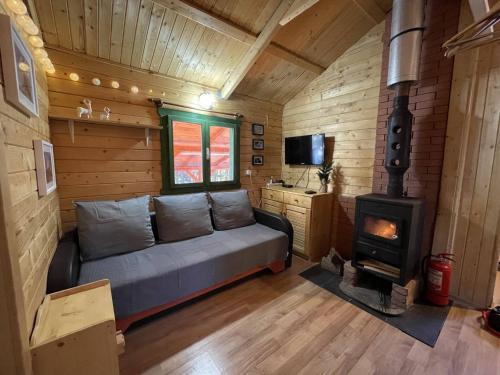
x=64 y=268
x=277 y=222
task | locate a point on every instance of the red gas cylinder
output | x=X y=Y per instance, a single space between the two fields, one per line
x=438 y=278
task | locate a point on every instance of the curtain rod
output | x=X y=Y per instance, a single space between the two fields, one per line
x=160 y=103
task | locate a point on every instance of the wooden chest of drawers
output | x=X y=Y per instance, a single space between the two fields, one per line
x=310 y=216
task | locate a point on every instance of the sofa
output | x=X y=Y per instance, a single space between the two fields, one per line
x=178 y=264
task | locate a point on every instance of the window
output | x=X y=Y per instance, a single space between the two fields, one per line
x=199 y=152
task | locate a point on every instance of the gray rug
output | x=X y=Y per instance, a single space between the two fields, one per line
x=422 y=321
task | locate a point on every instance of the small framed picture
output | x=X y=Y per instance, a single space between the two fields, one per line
x=18 y=69
x=45 y=167
x=257 y=129
x=257 y=144
x=257 y=159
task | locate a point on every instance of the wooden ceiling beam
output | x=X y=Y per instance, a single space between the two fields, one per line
x=255 y=50
x=282 y=53
x=298 y=7
x=371 y=9
x=232 y=30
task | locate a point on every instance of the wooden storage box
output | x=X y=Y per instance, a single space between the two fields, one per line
x=75 y=332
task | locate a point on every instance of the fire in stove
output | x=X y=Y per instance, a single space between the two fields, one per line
x=380 y=227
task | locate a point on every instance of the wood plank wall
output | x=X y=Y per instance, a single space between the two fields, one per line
x=468 y=220
x=342 y=103
x=35 y=220
x=111 y=162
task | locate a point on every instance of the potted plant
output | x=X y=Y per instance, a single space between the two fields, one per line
x=324 y=172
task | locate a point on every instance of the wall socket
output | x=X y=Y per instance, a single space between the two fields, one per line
x=248 y=172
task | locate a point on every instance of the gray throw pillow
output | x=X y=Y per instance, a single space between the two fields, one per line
x=231 y=209
x=113 y=227
x=180 y=217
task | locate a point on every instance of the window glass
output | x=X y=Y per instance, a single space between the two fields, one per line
x=221 y=154
x=187 y=152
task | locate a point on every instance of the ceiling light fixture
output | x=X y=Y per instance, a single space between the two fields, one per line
x=36 y=41
x=206 y=100
x=96 y=81
x=134 y=89
x=28 y=25
x=115 y=84
x=74 y=77
x=16 y=6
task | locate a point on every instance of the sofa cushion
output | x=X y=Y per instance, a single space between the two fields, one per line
x=166 y=272
x=113 y=227
x=180 y=217
x=231 y=209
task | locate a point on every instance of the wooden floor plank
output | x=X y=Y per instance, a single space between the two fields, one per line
x=283 y=324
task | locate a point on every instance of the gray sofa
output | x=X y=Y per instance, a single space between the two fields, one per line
x=147 y=281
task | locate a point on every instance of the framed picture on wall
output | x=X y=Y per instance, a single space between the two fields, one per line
x=257 y=159
x=257 y=144
x=257 y=129
x=18 y=69
x=45 y=167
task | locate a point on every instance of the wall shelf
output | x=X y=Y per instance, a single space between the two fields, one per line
x=71 y=126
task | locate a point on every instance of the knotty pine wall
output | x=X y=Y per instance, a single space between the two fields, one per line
x=35 y=221
x=342 y=103
x=113 y=162
x=468 y=217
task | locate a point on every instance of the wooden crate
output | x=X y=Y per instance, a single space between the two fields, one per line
x=75 y=332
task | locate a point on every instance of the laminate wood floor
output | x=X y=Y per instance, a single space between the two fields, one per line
x=284 y=324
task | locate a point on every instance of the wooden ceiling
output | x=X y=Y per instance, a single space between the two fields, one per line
x=216 y=43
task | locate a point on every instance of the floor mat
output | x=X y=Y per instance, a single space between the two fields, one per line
x=422 y=321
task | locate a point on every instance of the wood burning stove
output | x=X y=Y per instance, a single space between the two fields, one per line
x=388 y=228
x=387 y=236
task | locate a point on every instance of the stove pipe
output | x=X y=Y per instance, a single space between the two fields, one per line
x=407 y=27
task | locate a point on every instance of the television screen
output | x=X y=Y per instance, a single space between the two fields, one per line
x=305 y=150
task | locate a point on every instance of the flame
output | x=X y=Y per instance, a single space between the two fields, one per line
x=380 y=227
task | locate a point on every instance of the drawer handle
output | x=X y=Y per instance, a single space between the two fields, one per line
x=374 y=252
x=296 y=200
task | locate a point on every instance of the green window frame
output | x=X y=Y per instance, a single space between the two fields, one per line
x=168 y=116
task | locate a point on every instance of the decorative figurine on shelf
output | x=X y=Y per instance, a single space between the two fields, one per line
x=106 y=113
x=85 y=112
x=324 y=172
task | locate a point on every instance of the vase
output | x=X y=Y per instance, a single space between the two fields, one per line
x=323 y=187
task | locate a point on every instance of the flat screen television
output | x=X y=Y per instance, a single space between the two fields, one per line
x=305 y=150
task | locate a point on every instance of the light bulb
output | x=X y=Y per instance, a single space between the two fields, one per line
x=40 y=53
x=36 y=41
x=28 y=25
x=74 y=77
x=115 y=84
x=134 y=89
x=150 y=91
x=16 y=6
x=206 y=100
x=45 y=61
x=23 y=66
x=96 y=81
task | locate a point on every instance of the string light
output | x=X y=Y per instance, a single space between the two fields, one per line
x=50 y=69
x=28 y=25
x=134 y=89
x=23 y=66
x=115 y=84
x=36 y=41
x=40 y=53
x=74 y=77
x=96 y=81
x=16 y=6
